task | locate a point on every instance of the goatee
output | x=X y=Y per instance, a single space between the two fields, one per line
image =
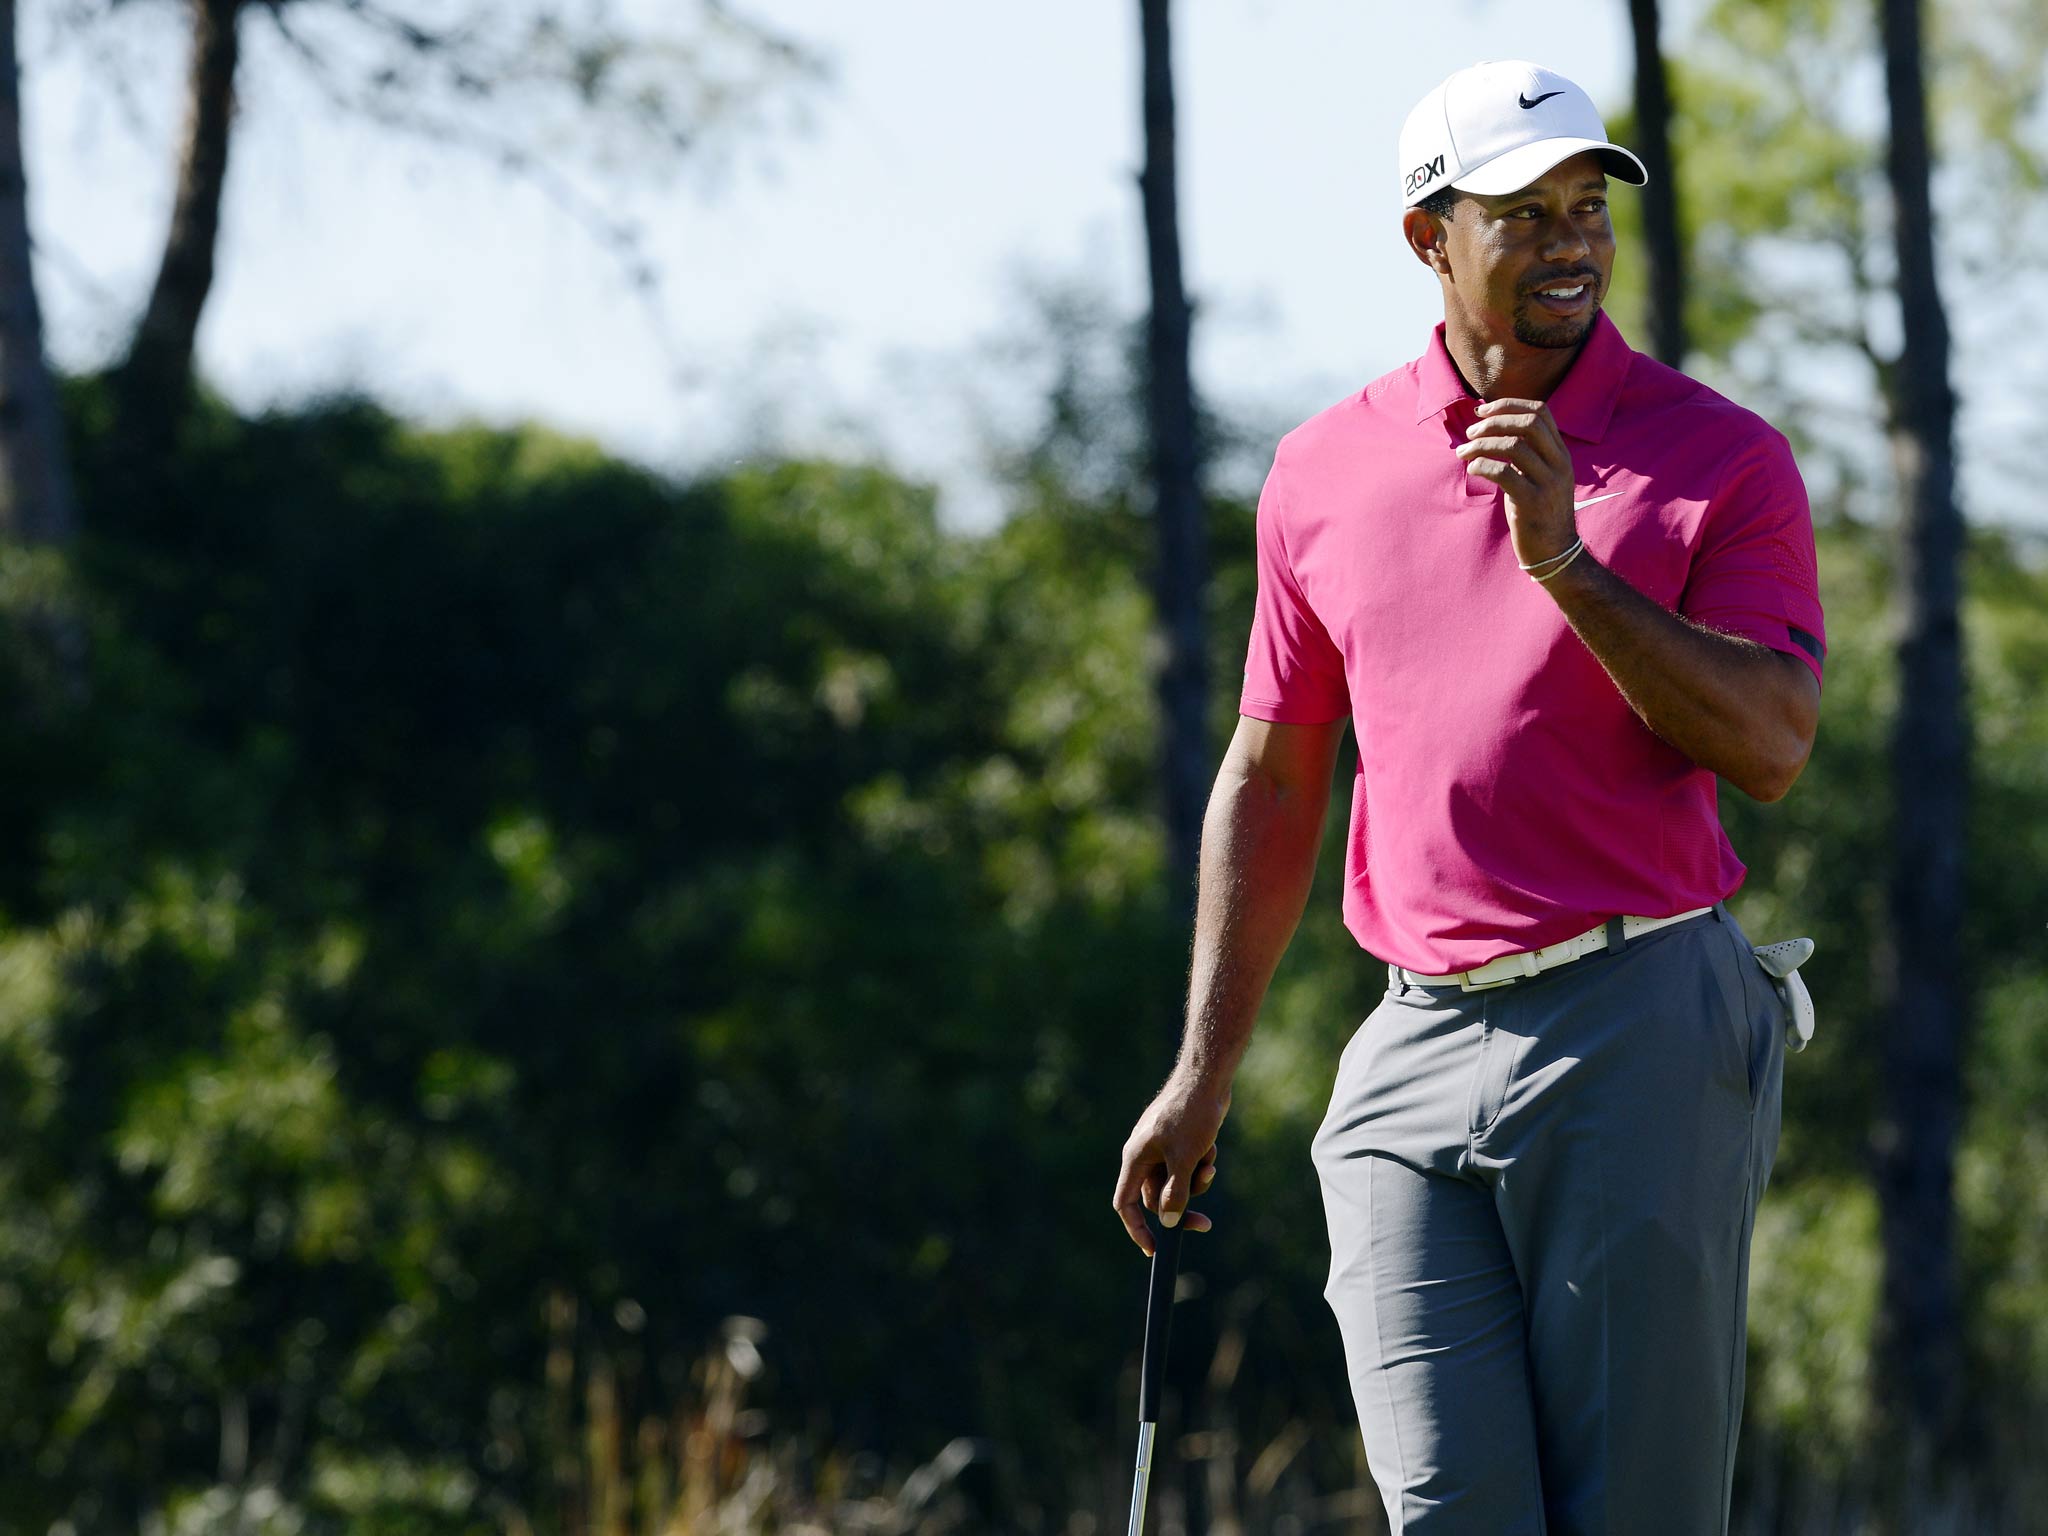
x=1532 y=332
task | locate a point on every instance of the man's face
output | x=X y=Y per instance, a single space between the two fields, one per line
x=1533 y=264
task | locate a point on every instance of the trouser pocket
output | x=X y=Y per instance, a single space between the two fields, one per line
x=1756 y=1013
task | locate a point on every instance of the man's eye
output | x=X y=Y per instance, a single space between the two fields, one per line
x=1597 y=205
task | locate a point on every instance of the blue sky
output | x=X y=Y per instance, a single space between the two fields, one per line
x=835 y=284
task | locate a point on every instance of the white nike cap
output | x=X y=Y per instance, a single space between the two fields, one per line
x=1497 y=126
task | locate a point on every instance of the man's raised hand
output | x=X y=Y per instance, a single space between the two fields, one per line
x=1516 y=445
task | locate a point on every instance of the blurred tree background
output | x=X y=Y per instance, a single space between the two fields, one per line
x=535 y=998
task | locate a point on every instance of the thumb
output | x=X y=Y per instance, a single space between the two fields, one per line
x=1173 y=1198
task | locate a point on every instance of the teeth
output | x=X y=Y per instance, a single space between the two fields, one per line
x=1564 y=293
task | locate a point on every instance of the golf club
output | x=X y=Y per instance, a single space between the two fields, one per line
x=1158 y=1321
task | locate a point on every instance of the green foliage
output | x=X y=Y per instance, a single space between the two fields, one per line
x=1812 y=1305
x=486 y=873
x=1779 y=142
x=1819 y=865
x=484 y=869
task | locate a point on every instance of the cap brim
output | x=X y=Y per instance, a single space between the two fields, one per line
x=1520 y=166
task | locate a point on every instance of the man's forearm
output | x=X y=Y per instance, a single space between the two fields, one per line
x=1259 y=844
x=1731 y=705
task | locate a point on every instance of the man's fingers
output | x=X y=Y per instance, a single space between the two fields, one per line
x=1527 y=419
x=1508 y=478
x=1519 y=448
x=1150 y=1181
x=1529 y=451
x=1133 y=1217
x=1506 y=421
x=1525 y=453
x=1524 y=491
x=1129 y=1204
x=1134 y=1223
x=1203 y=1176
x=1173 y=1199
x=1496 y=469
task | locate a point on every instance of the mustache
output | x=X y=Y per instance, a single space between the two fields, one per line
x=1588 y=274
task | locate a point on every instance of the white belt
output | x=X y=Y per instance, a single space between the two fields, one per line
x=1498 y=973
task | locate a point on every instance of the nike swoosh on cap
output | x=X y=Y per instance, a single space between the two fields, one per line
x=1579 y=506
x=1527 y=103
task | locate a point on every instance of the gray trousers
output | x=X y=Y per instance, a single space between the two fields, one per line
x=1540 y=1199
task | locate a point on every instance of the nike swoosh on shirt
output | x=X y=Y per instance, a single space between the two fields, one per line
x=1580 y=506
x=1527 y=103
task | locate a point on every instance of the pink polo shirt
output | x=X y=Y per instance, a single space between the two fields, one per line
x=1506 y=795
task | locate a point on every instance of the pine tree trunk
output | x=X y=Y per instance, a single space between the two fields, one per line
x=152 y=388
x=35 y=476
x=1181 y=573
x=1663 y=247
x=1925 y=974
x=36 y=505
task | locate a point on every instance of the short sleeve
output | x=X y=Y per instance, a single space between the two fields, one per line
x=1293 y=671
x=1754 y=572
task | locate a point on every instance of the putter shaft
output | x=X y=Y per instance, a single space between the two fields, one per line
x=1143 y=1484
x=1158 y=1322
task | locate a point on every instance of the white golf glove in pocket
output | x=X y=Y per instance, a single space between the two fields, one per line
x=1781 y=962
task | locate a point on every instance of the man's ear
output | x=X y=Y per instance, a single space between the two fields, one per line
x=1425 y=236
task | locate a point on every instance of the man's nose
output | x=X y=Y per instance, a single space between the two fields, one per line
x=1565 y=241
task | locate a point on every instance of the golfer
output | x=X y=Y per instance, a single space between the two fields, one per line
x=1557 y=589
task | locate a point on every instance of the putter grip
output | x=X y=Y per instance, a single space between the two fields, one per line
x=1158 y=1314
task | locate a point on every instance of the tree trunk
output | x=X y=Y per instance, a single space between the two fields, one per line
x=1925 y=977
x=1661 y=241
x=1181 y=572
x=35 y=476
x=36 y=507
x=152 y=388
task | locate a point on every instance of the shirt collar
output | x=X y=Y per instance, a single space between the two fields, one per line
x=1582 y=404
x=1438 y=385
